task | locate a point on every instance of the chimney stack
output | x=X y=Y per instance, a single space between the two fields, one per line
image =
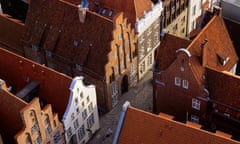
x=217 y=10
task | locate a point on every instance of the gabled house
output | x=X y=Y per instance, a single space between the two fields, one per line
x=76 y=41
x=27 y=122
x=224 y=111
x=144 y=17
x=136 y=126
x=179 y=81
x=34 y=98
x=80 y=119
x=174 y=17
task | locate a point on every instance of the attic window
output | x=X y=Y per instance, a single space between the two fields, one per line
x=75 y=43
x=222 y=60
x=110 y=13
x=103 y=11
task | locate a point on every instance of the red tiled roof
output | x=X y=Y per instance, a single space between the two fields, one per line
x=224 y=87
x=140 y=127
x=167 y=50
x=10 y=107
x=132 y=9
x=55 y=25
x=11 y=32
x=219 y=45
x=18 y=72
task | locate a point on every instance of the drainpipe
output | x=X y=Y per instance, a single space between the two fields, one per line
x=120 y=122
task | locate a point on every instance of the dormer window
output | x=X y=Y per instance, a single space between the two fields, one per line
x=223 y=60
x=103 y=11
x=110 y=13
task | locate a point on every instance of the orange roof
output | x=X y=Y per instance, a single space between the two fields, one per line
x=18 y=72
x=219 y=45
x=224 y=87
x=141 y=127
x=55 y=26
x=167 y=50
x=132 y=9
x=10 y=107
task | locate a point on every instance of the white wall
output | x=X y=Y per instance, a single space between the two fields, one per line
x=192 y=17
x=79 y=111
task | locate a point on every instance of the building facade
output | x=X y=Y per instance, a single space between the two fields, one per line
x=101 y=48
x=81 y=119
x=40 y=125
x=180 y=82
x=195 y=9
x=174 y=17
x=148 y=31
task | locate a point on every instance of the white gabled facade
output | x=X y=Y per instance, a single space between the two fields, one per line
x=81 y=118
x=148 y=32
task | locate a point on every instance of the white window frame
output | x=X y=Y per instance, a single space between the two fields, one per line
x=196 y=104
x=185 y=84
x=177 y=81
x=194 y=118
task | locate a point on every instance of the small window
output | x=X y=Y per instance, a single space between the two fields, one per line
x=110 y=13
x=196 y=104
x=177 y=81
x=88 y=99
x=185 y=84
x=194 y=118
x=81 y=94
x=69 y=132
x=76 y=124
x=84 y=114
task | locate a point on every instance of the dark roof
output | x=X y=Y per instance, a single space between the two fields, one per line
x=146 y=128
x=224 y=87
x=55 y=26
x=167 y=50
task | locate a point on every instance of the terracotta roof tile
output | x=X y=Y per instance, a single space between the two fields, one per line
x=146 y=128
x=224 y=87
x=59 y=28
x=167 y=50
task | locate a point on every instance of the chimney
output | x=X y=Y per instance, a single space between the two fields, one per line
x=217 y=10
x=82 y=11
x=203 y=45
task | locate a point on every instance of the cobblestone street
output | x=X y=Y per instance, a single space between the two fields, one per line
x=140 y=97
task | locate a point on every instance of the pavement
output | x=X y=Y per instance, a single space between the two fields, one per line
x=139 y=97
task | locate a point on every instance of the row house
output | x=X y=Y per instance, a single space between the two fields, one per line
x=196 y=9
x=174 y=17
x=137 y=126
x=76 y=41
x=43 y=109
x=80 y=119
x=180 y=79
x=144 y=17
x=27 y=122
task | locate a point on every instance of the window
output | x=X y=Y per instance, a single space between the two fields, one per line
x=194 y=10
x=177 y=81
x=72 y=116
x=81 y=132
x=76 y=101
x=90 y=121
x=56 y=137
x=183 y=20
x=175 y=27
x=88 y=99
x=90 y=107
x=185 y=84
x=196 y=104
x=194 y=118
x=141 y=52
x=149 y=62
x=34 y=128
x=38 y=140
x=81 y=94
x=183 y=31
x=110 y=13
x=193 y=25
x=149 y=45
x=83 y=104
x=76 y=124
x=115 y=55
x=141 y=38
x=69 y=132
x=142 y=67
x=149 y=31
x=84 y=114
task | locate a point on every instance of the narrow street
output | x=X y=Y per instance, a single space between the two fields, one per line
x=140 y=97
